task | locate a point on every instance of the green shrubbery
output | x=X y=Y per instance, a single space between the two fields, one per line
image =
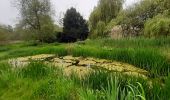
x=158 y=26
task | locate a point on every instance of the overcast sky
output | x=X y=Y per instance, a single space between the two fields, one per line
x=9 y=14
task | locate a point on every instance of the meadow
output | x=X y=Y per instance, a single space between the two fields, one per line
x=39 y=81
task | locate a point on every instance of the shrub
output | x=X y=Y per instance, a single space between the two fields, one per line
x=158 y=26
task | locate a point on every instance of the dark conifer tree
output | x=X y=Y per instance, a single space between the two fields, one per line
x=75 y=27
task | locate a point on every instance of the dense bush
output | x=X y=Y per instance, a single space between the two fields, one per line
x=158 y=26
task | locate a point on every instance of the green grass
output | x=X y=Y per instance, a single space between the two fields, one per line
x=149 y=54
x=38 y=81
x=50 y=84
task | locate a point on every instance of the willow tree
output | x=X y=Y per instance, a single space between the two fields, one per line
x=105 y=11
x=36 y=17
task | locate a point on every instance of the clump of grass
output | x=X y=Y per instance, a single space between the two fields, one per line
x=55 y=89
x=35 y=70
x=87 y=94
x=137 y=42
x=96 y=80
x=103 y=85
x=167 y=88
x=4 y=48
x=35 y=81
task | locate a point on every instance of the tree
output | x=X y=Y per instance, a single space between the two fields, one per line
x=157 y=26
x=100 y=29
x=136 y=16
x=6 y=33
x=75 y=26
x=36 y=15
x=105 y=11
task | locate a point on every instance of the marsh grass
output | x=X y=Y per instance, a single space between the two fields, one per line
x=36 y=81
x=40 y=81
x=138 y=42
x=150 y=59
x=35 y=70
x=103 y=85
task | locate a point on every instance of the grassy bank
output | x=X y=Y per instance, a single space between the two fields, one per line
x=148 y=54
x=38 y=81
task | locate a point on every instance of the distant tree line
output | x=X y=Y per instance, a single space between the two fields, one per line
x=134 y=19
x=149 y=18
x=36 y=23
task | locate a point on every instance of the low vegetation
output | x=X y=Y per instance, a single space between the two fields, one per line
x=39 y=81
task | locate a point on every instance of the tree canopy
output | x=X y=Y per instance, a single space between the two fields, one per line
x=75 y=27
x=36 y=16
x=105 y=11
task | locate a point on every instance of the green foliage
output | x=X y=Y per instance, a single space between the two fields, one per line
x=100 y=29
x=105 y=11
x=158 y=26
x=74 y=25
x=7 y=33
x=35 y=70
x=97 y=80
x=136 y=16
x=149 y=54
x=36 y=19
x=109 y=9
x=104 y=85
x=52 y=89
x=56 y=86
x=87 y=95
x=167 y=86
x=110 y=25
x=47 y=33
x=34 y=85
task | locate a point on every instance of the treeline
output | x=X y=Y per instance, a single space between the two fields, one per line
x=8 y=33
x=147 y=17
x=36 y=23
x=150 y=18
